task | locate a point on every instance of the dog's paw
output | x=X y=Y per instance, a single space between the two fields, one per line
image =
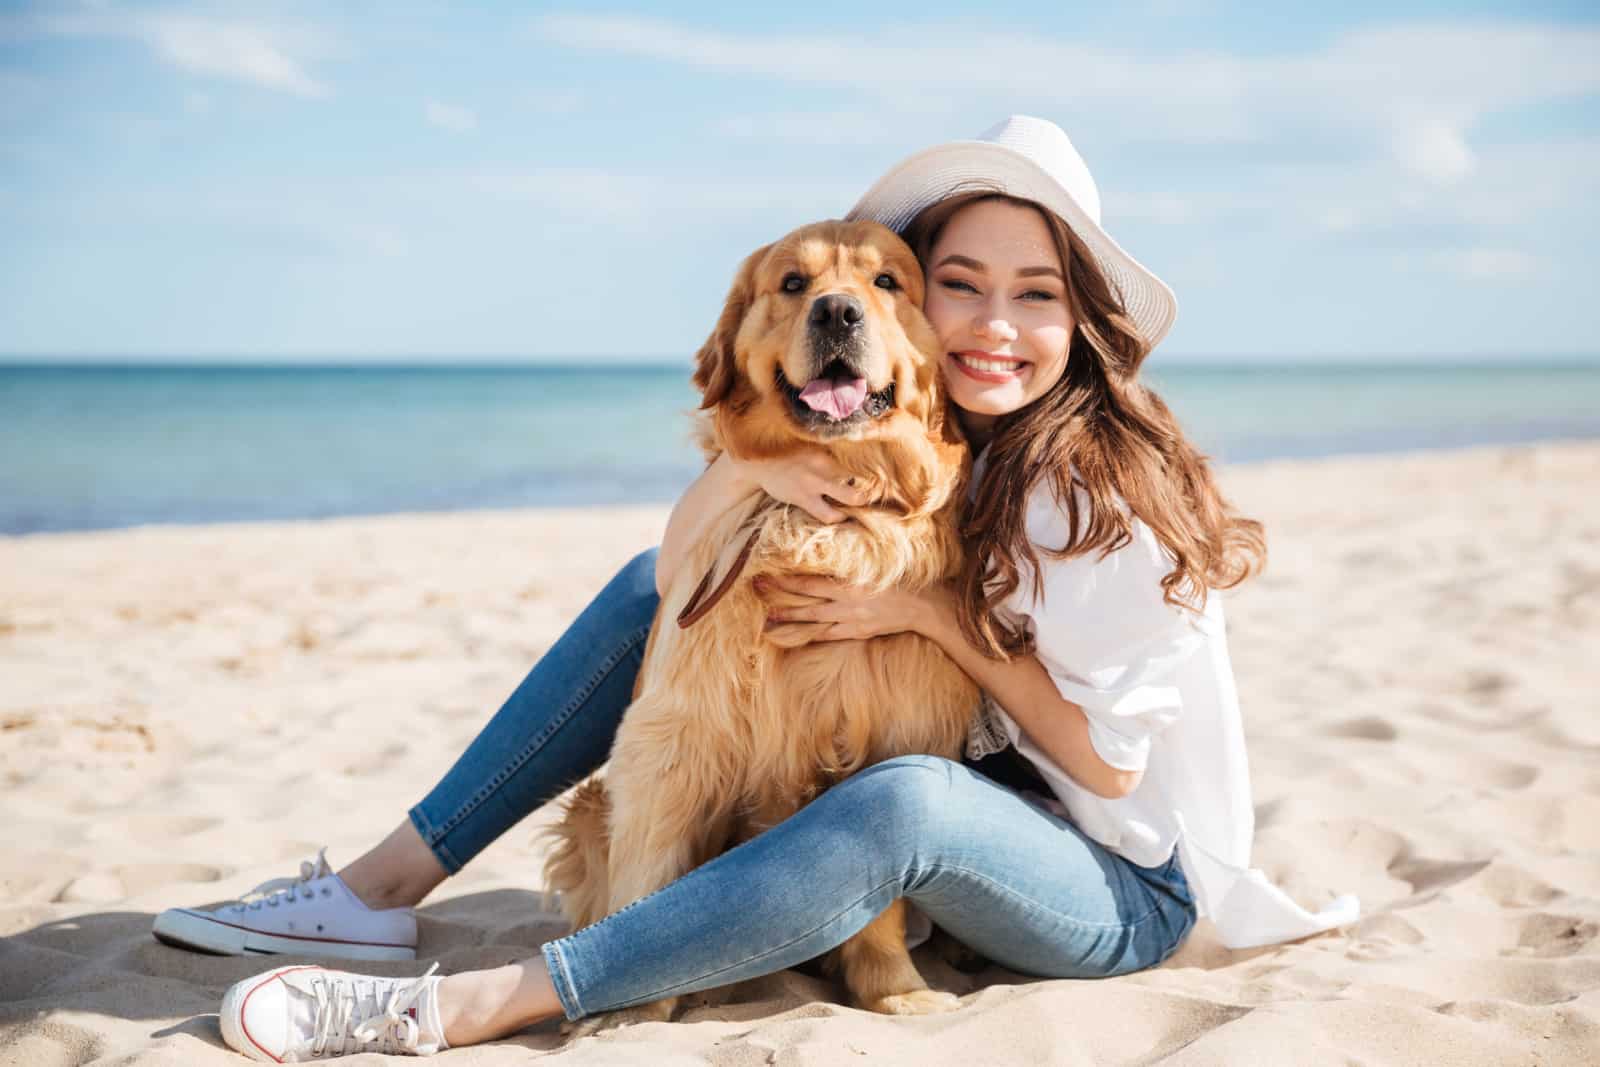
x=916 y=1002
x=658 y=1012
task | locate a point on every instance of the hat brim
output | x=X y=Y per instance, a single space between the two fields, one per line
x=946 y=170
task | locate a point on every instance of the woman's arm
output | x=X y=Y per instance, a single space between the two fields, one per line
x=720 y=487
x=1025 y=690
x=1023 y=687
x=809 y=480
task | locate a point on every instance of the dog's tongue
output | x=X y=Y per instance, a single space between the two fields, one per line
x=836 y=399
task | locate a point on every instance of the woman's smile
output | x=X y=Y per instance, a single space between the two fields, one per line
x=985 y=367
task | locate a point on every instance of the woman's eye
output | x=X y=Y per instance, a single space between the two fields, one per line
x=794 y=283
x=886 y=281
x=1042 y=294
x=959 y=285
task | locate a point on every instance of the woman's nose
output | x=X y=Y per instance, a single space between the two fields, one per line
x=994 y=329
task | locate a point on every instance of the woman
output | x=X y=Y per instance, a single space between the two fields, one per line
x=1104 y=803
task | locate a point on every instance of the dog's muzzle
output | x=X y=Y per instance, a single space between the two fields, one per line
x=834 y=376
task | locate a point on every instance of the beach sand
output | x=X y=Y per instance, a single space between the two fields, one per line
x=188 y=711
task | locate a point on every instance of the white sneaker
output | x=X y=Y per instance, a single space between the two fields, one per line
x=313 y=915
x=294 y=1014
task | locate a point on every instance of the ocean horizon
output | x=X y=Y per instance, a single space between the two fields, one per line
x=99 y=445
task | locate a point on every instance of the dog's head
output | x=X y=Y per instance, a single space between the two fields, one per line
x=822 y=337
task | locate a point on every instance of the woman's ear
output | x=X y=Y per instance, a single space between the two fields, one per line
x=715 y=364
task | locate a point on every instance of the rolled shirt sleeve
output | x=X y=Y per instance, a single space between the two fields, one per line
x=1107 y=638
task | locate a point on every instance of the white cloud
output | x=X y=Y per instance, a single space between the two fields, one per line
x=1491 y=264
x=1510 y=187
x=822 y=128
x=1434 y=150
x=1388 y=113
x=1430 y=80
x=635 y=202
x=269 y=56
x=555 y=101
x=1151 y=207
x=450 y=117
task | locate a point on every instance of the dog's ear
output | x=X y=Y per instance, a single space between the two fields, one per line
x=715 y=365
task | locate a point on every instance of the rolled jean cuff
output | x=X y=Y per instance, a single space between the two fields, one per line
x=441 y=851
x=556 y=964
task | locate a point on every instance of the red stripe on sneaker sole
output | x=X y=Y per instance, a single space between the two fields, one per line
x=299 y=937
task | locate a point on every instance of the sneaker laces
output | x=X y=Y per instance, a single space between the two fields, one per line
x=277 y=891
x=388 y=1029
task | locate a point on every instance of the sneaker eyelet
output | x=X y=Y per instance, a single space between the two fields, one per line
x=327 y=892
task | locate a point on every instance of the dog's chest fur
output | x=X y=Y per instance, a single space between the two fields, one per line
x=778 y=720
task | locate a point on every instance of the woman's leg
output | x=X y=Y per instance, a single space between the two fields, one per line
x=553 y=730
x=1012 y=881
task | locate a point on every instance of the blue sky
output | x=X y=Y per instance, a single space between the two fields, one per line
x=398 y=180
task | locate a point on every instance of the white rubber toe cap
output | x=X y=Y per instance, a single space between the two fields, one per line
x=255 y=1016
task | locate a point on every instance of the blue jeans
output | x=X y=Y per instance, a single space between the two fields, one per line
x=1018 y=884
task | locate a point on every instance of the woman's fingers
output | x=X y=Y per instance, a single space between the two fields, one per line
x=806 y=584
x=824 y=511
x=851 y=490
x=839 y=486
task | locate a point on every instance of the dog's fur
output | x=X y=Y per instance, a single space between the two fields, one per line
x=735 y=727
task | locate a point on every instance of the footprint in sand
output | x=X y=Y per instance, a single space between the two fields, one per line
x=1509 y=886
x=1488 y=685
x=156 y=829
x=1430 y=876
x=1383 y=936
x=1506 y=775
x=376 y=764
x=1267 y=813
x=1547 y=934
x=1384 y=926
x=1367 y=728
x=92 y=889
x=119 y=883
x=140 y=878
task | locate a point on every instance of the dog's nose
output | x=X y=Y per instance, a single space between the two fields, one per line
x=837 y=313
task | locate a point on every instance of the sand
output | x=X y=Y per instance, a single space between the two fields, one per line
x=188 y=711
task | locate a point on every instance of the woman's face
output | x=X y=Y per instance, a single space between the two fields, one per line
x=997 y=298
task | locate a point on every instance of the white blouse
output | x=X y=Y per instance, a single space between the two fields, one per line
x=1157 y=688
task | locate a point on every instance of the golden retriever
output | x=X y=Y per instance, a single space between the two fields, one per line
x=733 y=726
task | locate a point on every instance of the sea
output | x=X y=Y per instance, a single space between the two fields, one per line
x=85 y=447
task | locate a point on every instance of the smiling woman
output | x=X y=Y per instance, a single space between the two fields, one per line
x=1006 y=324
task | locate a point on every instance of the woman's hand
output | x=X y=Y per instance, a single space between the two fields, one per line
x=810 y=480
x=802 y=609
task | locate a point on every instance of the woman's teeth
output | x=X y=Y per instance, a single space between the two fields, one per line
x=993 y=366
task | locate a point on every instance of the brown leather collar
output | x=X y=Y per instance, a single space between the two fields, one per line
x=696 y=609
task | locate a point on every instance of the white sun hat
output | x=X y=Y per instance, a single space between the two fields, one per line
x=1032 y=159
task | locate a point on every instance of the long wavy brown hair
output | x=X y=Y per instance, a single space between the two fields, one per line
x=1103 y=429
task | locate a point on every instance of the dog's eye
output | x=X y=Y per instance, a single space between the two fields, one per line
x=886 y=281
x=794 y=283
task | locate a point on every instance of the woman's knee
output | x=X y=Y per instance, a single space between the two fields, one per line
x=633 y=589
x=901 y=801
x=640 y=571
